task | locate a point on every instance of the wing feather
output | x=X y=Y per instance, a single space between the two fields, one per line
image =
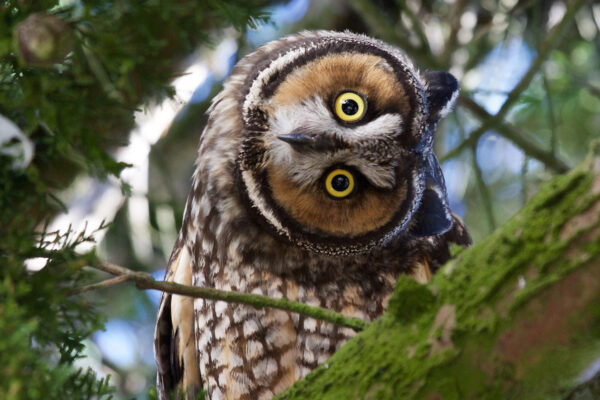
x=174 y=337
x=439 y=253
x=437 y=250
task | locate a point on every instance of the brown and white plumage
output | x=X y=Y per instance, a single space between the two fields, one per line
x=258 y=218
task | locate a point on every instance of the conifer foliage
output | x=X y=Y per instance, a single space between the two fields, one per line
x=73 y=72
x=71 y=75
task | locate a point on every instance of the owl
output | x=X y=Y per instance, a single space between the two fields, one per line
x=316 y=181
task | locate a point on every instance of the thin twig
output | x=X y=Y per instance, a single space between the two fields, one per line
x=550 y=43
x=493 y=121
x=450 y=44
x=470 y=141
x=591 y=88
x=416 y=26
x=524 y=171
x=551 y=114
x=381 y=27
x=144 y=280
x=103 y=284
x=507 y=131
x=483 y=191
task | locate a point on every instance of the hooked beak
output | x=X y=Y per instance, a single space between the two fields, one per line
x=302 y=141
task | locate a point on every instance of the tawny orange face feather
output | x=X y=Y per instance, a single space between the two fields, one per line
x=350 y=103
x=329 y=98
x=367 y=74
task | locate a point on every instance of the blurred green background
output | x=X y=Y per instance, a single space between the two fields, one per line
x=529 y=73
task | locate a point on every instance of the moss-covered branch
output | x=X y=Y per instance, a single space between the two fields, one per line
x=144 y=280
x=515 y=316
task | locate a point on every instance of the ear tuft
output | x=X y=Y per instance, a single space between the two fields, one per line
x=442 y=91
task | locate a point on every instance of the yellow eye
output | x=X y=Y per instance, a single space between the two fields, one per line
x=339 y=183
x=350 y=107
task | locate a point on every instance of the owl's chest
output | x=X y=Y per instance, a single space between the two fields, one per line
x=249 y=353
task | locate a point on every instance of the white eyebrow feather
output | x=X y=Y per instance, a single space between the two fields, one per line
x=314 y=115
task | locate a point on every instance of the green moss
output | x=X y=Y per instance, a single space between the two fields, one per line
x=410 y=300
x=464 y=341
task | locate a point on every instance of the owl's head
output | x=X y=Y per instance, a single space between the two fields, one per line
x=336 y=153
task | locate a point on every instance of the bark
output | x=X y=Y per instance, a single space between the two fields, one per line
x=516 y=316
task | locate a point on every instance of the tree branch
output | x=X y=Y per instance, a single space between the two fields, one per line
x=416 y=25
x=450 y=44
x=494 y=121
x=551 y=41
x=381 y=27
x=508 y=132
x=483 y=191
x=514 y=316
x=103 y=284
x=144 y=280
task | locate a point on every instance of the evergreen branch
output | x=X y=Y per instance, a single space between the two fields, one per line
x=144 y=280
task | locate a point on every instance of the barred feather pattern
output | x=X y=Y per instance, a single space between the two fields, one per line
x=246 y=353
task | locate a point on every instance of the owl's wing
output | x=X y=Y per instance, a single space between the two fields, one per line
x=436 y=250
x=174 y=339
x=439 y=252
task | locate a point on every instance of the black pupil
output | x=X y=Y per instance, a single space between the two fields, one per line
x=349 y=107
x=340 y=183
